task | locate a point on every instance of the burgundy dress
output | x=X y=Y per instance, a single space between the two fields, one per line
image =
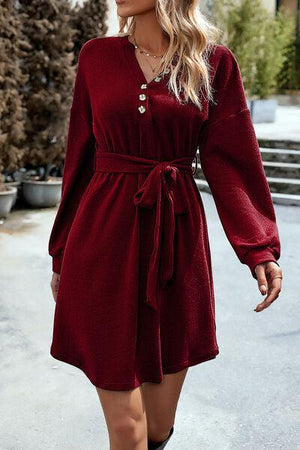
x=136 y=297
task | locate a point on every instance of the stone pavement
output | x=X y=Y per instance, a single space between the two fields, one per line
x=247 y=398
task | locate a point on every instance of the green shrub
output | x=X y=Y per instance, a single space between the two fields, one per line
x=289 y=76
x=259 y=41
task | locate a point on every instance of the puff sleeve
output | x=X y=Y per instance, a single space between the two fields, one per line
x=232 y=165
x=78 y=163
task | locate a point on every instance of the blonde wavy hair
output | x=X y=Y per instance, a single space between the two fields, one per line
x=191 y=37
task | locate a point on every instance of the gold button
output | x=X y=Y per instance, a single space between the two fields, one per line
x=142 y=97
x=144 y=86
x=141 y=109
x=157 y=79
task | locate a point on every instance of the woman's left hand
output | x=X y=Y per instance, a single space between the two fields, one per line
x=269 y=280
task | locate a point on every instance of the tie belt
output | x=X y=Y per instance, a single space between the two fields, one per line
x=160 y=189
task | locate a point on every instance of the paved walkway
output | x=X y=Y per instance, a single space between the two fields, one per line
x=246 y=398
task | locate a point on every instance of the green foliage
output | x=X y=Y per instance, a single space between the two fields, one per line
x=278 y=34
x=289 y=76
x=259 y=41
x=241 y=25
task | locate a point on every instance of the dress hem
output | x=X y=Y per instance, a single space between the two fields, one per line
x=129 y=386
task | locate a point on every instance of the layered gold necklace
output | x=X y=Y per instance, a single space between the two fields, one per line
x=147 y=54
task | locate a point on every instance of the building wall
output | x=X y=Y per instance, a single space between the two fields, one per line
x=292 y=5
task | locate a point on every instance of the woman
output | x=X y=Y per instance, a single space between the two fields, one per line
x=135 y=304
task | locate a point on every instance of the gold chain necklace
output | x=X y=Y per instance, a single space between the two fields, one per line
x=148 y=54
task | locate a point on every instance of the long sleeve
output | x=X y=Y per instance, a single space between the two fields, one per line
x=232 y=165
x=78 y=163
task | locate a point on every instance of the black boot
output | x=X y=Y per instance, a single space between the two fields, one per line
x=159 y=445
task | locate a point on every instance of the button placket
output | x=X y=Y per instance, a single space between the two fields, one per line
x=142 y=97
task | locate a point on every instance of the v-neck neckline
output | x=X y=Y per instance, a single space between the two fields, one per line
x=131 y=48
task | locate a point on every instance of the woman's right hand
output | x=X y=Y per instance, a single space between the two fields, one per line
x=54 y=284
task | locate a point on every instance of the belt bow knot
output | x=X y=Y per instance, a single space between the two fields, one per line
x=161 y=191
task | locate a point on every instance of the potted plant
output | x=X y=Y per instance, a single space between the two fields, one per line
x=12 y=111
x=48 y=62
x=258 y=40
x=15 y=179
x=8 y=195
x=42 y=186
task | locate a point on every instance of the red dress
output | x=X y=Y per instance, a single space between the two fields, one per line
x=136 y=297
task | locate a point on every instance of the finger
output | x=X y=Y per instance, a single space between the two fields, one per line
x=261 y=279
x=54 y=285
x=274 y=291
x=53 y=292
x=273 y=294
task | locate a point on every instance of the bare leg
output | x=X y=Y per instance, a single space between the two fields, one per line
x=125 y=418
x=161 y=403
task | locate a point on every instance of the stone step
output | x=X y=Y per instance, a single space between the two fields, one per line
x=277 y=197
x=284 y=185
x=279 y=154
x=284 y=143
x=281 y=165
x=278 y=180
x=282 y=169
x=280 y=151
x=283 y=180
x=285 y=199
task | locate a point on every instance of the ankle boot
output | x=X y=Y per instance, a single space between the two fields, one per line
x=160 y=445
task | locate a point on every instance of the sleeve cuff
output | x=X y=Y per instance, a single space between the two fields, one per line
x=56 y=263
x=255 y=257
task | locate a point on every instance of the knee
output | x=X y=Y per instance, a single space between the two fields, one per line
x=128 y=430
x=159 y=431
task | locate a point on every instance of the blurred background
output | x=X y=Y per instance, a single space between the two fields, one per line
x=248 y=398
